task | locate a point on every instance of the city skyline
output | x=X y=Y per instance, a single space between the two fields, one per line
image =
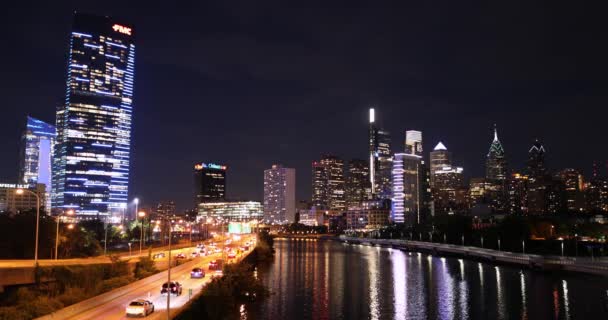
x=463 y=122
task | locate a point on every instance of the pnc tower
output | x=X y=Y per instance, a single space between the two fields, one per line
x=92 y=150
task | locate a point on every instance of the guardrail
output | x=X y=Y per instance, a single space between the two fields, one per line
x=545 y=262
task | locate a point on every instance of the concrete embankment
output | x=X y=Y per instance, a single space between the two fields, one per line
x=569 y=264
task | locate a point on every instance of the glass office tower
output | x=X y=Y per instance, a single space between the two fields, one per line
x=91 y=161
x=37 y=142
x=210 y=182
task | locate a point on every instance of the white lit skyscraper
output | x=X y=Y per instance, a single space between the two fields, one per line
x=279 y=194
x=380 y=159
x=440 y=157
x=413 y=142
x=92 y=152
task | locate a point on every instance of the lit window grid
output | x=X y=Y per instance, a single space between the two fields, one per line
x=102 y=195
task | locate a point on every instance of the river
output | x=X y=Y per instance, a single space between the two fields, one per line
x=312 y=279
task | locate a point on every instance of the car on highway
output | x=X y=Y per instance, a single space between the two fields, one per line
x=174 y=288
x=194 y=254
x=217 y=274
x=200 y=246
x=180 y=256
x=218 y=250
x=197 y=273
x=158 y=255
x=231 y=255
x=140 y=307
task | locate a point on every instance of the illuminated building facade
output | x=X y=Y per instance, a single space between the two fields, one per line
x=210 y=182
x=229 y=211
x=165 y=209
x=279 y=194
x=328 y=183
x=449 y=195
x=496 y=162
x=538 y=180
x=357 y=183
x=367 y=218
x=12 y=202
x=440 y=157
x=37 y=146
x=380 y=159
x=573 y=189
x=407 y=188
x=596 y=192
x=37 y=142
x=413 y=142
x=517 y=193
x=92 y=151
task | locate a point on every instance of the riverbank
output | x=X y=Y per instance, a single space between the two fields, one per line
x=537 y=262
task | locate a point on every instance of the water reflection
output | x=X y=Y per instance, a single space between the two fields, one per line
x=328 y=280
x=566 y=301
x=399 y=277
x=372 y=262
x=524 y=303
x=499 y=295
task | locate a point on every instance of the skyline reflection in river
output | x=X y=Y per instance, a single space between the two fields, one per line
x=312 y=279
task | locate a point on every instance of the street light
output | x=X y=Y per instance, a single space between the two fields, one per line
x=141 y=214
x=136 y=202
x=69 y=212
x=169 y=275
x=20 y=192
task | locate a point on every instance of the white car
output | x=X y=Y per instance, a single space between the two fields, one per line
x=140 y=308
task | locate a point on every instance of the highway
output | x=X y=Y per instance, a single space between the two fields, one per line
x=149 y=289
x=76 y=261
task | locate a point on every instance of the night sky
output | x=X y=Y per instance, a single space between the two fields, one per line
x=252 y=83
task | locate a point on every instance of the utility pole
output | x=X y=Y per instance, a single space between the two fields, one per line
x=169 y=276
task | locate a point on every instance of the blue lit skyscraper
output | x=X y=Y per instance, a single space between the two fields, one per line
x=37 y=142
x=91 y=160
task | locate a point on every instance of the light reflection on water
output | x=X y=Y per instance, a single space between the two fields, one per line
x=329 y=280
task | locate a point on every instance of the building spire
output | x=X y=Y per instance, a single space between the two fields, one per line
x=495 y=133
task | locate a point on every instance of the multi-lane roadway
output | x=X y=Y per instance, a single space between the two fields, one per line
x=149 y=288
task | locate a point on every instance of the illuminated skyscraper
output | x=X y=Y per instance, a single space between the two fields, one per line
x=380 y=159
x=413 y=142
x=440 y=157
x=538 y=180
x=496 y=163
x=280 y=194
x=37 y=142
x=210 y=182
x=92 y=152
x=573 y=189
x=407 y=198
x=357 y=183
x=449 y=195
x=328 y=183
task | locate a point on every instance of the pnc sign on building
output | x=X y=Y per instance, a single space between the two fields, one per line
x=122 y=29
x=210 y=166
